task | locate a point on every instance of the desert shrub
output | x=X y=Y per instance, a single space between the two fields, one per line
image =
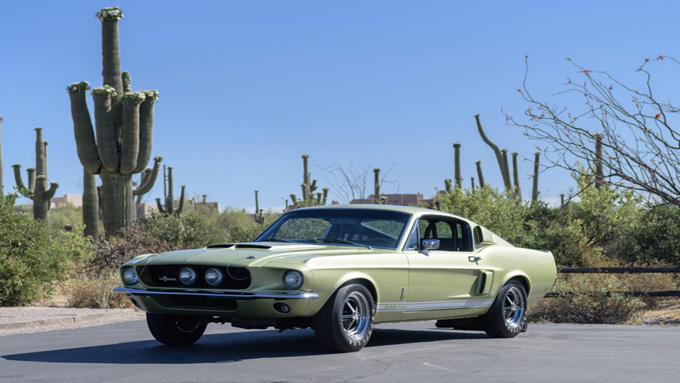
x=656 y=237
x=30 y=258
x=183 y=231
x=95 y=292
x=587 y=303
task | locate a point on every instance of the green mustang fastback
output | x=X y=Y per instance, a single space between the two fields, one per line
x=340 y=270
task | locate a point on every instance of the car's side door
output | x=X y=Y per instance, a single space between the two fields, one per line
x=446 y=281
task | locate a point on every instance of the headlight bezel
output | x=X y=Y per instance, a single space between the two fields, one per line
x=129 y=275
x=193 y=278
x=219 y=280
x=293 y=279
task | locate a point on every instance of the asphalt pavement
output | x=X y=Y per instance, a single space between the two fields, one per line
x=401 y=352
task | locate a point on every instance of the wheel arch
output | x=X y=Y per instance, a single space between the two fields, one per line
x=361 y=279
x=521 y=278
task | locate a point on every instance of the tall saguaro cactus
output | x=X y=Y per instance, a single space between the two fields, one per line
x=458 y=177
x=37 y=180
x=123 y=125
x=169 y=207
x=378 y=198
x=309 y=198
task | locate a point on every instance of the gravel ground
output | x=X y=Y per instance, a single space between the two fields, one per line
x=23 y=320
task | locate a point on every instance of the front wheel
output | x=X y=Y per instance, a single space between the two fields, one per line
x=345 y=323
x=175 y=330
x=507 y=316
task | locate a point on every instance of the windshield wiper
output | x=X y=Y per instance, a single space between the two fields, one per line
x=344 y=241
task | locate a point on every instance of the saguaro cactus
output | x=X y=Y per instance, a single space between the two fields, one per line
x=309 y=198
x=457 y=175
x=480 y=174
x=378 y=198
x=534 y=190
x=37 y=180
x=169 y=207
x=258 y=212
x=124 y=125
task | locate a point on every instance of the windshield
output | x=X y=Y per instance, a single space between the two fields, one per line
x=346 y=227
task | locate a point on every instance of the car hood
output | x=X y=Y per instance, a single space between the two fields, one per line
x=251 y=254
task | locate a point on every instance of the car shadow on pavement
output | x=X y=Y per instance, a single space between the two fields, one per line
x=227 y=347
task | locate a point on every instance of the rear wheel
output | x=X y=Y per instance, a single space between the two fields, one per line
x=175 y=330
x=345 y=323
x=507 y=316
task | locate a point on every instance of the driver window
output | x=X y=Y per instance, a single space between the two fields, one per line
x=453 y=235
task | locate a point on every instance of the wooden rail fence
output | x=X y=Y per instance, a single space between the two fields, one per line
x=618 y=270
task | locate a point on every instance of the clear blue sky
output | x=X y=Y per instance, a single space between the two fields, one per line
x=247 y=87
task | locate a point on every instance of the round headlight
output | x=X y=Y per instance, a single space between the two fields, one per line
x=187 y=276
x=214 y=276
x=293 y=279
x=130 y=276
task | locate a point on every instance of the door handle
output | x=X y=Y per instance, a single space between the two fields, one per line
x=474 y=259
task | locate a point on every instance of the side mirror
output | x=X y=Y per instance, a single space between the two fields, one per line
x=483 y=237
x=429 y=244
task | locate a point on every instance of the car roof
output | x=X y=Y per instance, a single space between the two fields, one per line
x=398 y=208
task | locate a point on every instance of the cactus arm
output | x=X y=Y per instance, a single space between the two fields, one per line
x=160 y=206
x=90 y=205
x=293 y=198
x=106 y=135
x=130 y=135
x=20 y=183
x=497 y=152
x=31 y=179
x=447 y=185
x=181 y=201
x=150 y=180
x=145 y=129
x=82 y=128
x=49 y=194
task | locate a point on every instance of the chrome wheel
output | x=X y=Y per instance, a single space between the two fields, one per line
x=345 y=323
x=507 y=316
x=356 y=316
x=514 y=306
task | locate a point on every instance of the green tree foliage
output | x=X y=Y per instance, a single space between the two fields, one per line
x=497 y=211
x=588 y=231
x=32 y=257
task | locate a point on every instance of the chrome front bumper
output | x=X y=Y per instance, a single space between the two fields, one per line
x=242 y=297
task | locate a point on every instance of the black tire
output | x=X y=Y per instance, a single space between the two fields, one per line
x=345 y=323
x=507 y=316
x=175 y=330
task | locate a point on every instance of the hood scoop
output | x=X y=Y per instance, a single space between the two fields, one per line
x=220 y=246
x=251 y=246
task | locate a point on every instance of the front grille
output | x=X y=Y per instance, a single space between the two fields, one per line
x=235 y=278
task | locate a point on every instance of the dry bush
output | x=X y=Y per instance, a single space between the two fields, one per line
x=587 y=299
x=95 y=292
